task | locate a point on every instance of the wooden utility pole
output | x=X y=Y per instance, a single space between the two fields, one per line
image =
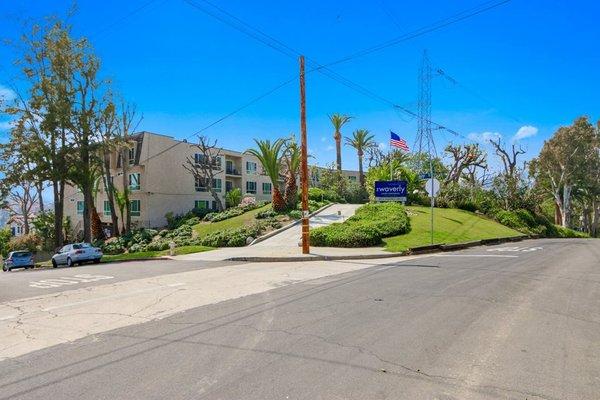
x=304 y=165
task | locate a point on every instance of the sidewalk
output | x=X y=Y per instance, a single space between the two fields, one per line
x=286 y=243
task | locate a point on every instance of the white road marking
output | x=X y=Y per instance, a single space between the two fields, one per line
x=516 y=249
x=116 y=296
x=69 y=280
x=474 y=255
x=8 y=317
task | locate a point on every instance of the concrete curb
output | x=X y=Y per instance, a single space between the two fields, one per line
x=111 y=262
x=436 y=248
x=288 y=226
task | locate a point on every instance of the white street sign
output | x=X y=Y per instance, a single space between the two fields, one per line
x=432 y=186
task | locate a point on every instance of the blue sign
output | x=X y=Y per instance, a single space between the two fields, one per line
x=391 y=190
x=426 y=175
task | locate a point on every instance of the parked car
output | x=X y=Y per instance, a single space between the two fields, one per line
x=76 y=253
x=18 y=259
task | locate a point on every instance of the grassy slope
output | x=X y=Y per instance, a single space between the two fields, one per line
x=451 y=226
x=152 y=254
x=204 y=228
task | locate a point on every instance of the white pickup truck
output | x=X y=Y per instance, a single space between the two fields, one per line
x=76 y=253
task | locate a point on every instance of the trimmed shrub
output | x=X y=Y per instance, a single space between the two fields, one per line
x=266 y=214
x=295 y=214
x=370 y=224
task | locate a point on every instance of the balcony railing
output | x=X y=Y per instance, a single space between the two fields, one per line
x=232 y=171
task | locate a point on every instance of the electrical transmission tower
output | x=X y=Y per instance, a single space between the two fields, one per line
x=424 y=138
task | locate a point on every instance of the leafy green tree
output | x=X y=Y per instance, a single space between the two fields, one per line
x=338 y=121
x=361 y=140
x=5 y=235
x=233 y=198
x=269 y=154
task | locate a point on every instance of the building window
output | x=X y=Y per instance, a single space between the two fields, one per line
x=135 y=208
x=131 y=155
x=217 y=185
x=251 y=187
x=250 y=167
x=352 y=178
x=266 y=187
x=106 y=207
x=80 y=207
x=202 y=159
x=214 y=205
x=201 y=204
x=200 y=184
x=134 y=181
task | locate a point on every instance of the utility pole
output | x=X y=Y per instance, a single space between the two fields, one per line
x=304 y=163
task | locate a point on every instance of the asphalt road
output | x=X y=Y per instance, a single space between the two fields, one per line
x=517 y=321
x=21 y=283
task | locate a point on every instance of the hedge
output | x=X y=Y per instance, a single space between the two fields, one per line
x=370 y=224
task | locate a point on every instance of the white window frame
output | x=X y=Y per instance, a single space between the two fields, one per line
x=200 y=184
x=251 y=191
x=197 y=202
x=270 y=185
x=139 y=183
x=82 y=209
x=217 y=184
x=253 y=170
x=132 y=212
x=106 y=207
x=131 y=155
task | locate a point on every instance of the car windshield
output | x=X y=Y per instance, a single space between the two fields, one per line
x=22 y=254
x=82 y=246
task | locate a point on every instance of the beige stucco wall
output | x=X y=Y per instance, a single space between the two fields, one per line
x=165 y=185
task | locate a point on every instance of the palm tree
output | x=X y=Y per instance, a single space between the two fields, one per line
x=269 y=155
x=361 y=140
x=338 y=121
x=292 y=163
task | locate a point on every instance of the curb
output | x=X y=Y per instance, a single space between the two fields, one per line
x=288 y=226
x=164 y=258
x=436 y=248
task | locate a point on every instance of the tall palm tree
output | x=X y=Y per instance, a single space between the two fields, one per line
x=269 y=155
x=361 y=140
x=338 y=121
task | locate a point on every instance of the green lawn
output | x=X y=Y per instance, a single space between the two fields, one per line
x=450 y=225
x=153 y=254
x=204 y=228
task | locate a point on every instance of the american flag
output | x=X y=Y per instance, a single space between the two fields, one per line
x=396 y=141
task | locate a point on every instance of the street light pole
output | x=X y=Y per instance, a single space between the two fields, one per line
x=304 y=163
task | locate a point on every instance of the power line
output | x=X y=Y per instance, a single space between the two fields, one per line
x=283 y=48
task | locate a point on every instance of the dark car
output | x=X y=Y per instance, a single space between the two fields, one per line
x=18 y=259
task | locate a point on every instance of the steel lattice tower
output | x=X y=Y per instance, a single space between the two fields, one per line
x=424 y=138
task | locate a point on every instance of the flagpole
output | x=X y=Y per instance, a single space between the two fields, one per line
x=390 y=157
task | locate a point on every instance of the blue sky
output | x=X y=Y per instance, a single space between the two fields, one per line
x=529 y=64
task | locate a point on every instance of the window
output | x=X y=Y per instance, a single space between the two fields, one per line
x=131 y=155
x=251 y=187
x=214 y=205
x=352 y=178
x=217 y=185
x=201 y=204
x=134 y=181
x=200 y=184
x=80 y=207
x=250 y=167
x=135 y=208
x=106 y=207
x=266 y=187
x=203 y=159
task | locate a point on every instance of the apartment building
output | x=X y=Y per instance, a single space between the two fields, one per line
x=158 y=183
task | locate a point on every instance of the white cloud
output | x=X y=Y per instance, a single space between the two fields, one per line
x=484 y=137
x=525 y=132
x=330 y=148
x=6 y=94
x=382 y=146
x=323 y=139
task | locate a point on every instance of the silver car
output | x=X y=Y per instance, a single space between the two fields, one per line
x=76 y=253
x=18 y=259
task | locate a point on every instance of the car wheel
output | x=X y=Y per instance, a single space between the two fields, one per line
x=97 y=261
x=54 y=264
x=69 y=262
x=4 y=268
